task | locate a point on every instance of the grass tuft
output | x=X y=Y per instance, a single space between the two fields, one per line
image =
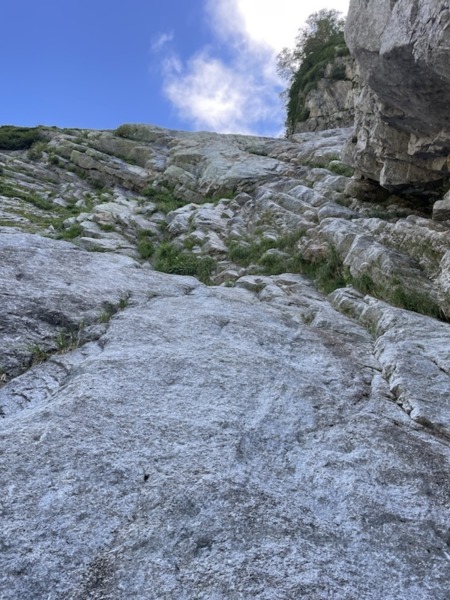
x=170 y=259
x=145 y=245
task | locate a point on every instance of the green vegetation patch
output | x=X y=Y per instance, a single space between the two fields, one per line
x=340 y=169
x=164 y=200
x=37 y=354
x=125 y=131
x=169 y=259
x=70 y=233
x=415 y=301
x=107 y=227
x=252 y=252
x=110 y=309
x=328 y=272
x=31 y=197
x=37 y=150
x=19 y=138
x=145 y=245
x=318 y=44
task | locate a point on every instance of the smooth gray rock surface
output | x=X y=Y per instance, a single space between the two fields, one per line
x=217 y=443
x=253 y=438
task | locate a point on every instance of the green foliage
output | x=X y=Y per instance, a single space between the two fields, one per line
x=164 y=200
x=288 y=241
x=18 y=138
x=189 y=243
x=247 y=253
x=31 y=197
x=53 y=159
x=252 y=252
x=318 y=44
x=365 y=284
x=145 y=248
x=98 y=184
x=241 y=253
x=327 y=272
x=340 y=169
x=38 y=354
x=123 y=303
x=224 y=194
x=274 y=264
x=7 y=190
x=105 y=316
x=107 y=227
x=337 y=72
x=64 y=341
x=170 y=259
x=124 y=131
x=414 y=301
x=67 y=340
x=387 y=214
x=330 y=274
x=145 y=245
x=38 y=202
x=110 y=309
x=397 y=294
x=36 y=151
x=70 y=233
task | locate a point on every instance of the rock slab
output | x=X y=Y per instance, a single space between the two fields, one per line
x=214 y=443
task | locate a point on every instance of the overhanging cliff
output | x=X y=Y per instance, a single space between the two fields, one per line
x=402 y=126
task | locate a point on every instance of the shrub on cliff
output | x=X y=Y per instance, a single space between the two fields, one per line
x=318 y=43
x=18 y=138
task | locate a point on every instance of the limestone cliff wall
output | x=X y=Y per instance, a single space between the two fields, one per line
x=331 y=104
x=402 y=120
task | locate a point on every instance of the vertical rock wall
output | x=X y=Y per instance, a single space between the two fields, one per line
x=331 y=104
x=402 y=121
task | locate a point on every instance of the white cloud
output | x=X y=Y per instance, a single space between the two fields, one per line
x=161 y=40
x=271 y=23
x=171 y=66
x=240 y=94
x=215 y=96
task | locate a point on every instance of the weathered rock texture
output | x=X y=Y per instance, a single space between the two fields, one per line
x=255 y=438
x=332 y=103
x=402 y=128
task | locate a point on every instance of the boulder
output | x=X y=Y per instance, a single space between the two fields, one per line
x=441 y=209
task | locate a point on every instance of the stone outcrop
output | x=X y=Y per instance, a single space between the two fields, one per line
x=441 y=209
x=402 y=123
x=252 y=437
x=331 y=104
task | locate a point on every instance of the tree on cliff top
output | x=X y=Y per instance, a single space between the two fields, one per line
x=318 y=43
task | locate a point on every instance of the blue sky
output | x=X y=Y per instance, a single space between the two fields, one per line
x=182 y=64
